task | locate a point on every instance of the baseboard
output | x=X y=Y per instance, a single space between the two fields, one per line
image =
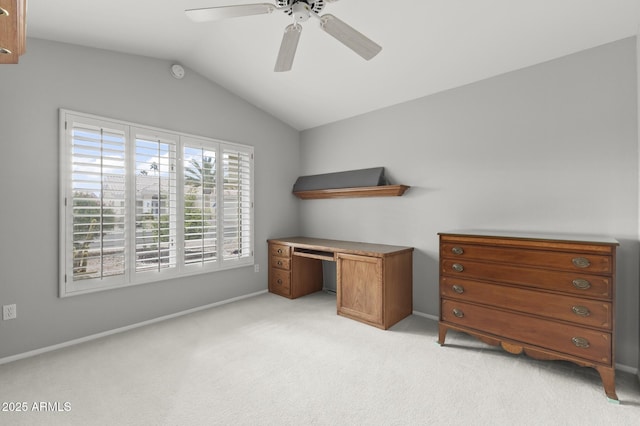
x=123 y=329
x=422 y=314
x=621 y=367
x=627 y=369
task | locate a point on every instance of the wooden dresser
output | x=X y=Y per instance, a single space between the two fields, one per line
x=549 y=297
x=374 y=281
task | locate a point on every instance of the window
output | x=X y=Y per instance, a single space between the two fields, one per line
x=236 y=203
x=140 y=204
x=155 y=195
x=200 y=202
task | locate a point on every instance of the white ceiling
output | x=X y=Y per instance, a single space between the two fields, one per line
x=428 y=45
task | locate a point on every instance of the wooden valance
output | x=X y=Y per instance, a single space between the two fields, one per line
x=363 y=191
x=354 y=183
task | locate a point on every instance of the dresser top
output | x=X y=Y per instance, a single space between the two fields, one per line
x=581 y=238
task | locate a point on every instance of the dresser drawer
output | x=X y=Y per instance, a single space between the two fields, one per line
x=279 y=250
x=281 y=263
x=590 y=286
x=587 y=312
x=583 y=262
x=573 y=340
x=280 y=282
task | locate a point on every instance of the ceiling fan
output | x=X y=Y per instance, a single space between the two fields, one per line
x=301 y=11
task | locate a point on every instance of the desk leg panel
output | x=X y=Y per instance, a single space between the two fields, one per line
x=306 y=276
x=398 y=287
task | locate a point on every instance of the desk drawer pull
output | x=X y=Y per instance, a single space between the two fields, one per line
x=457 y=267
x=582 y=311
x=457 y=250
x=458 y=313
x=581 y=284
x=581 y=262
x=580 y=342
x=458 y=288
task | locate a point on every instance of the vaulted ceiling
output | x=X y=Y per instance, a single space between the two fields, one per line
x=428 y=45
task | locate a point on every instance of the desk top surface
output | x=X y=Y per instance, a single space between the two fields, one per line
x=341 y=246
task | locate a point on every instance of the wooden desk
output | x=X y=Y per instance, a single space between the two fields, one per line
x=374 y=281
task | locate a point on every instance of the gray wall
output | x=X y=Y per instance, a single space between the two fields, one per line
x=54 y=75
x=550 y=148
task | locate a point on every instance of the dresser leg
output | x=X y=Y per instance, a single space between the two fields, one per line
x=442 y=333
x=608 y=375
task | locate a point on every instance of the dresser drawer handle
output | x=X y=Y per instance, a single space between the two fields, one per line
x=457 y=267
x=581 y=284
x=457 y=250
x=580 y=342
x=458 y=288
x=581 y=262
x=280 y=251
x=582 y=311
x=279 y=281
x=458 y=313
x=279 y=262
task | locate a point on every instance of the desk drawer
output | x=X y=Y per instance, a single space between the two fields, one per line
x=280 y=282
x=593 y=313
x=583 y=262
x=573 y=340
x=280 y=250
x=281 y=262
x=591 y=286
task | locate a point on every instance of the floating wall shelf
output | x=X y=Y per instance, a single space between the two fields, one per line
x=364 y=191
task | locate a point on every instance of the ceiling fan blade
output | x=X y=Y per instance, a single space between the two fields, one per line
x=348 y=36
x=224 y=12
x=288 y=47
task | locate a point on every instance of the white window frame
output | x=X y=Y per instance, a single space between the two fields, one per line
x=67 y=285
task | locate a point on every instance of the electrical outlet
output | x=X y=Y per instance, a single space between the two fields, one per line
x=9 y=312
x=256 y=268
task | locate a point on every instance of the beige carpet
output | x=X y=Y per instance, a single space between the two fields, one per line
x=272 y=361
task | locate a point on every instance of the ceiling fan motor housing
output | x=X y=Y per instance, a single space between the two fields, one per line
x=300 y=8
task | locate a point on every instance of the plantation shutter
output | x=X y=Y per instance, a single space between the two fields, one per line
x=97 y=201
x=238 y=203
x=200 y=204
x=156 y=202
x=140 y=204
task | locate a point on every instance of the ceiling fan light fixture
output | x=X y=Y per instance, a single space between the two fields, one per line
x=301 y=11
x=350 y=37
x=288 y=47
